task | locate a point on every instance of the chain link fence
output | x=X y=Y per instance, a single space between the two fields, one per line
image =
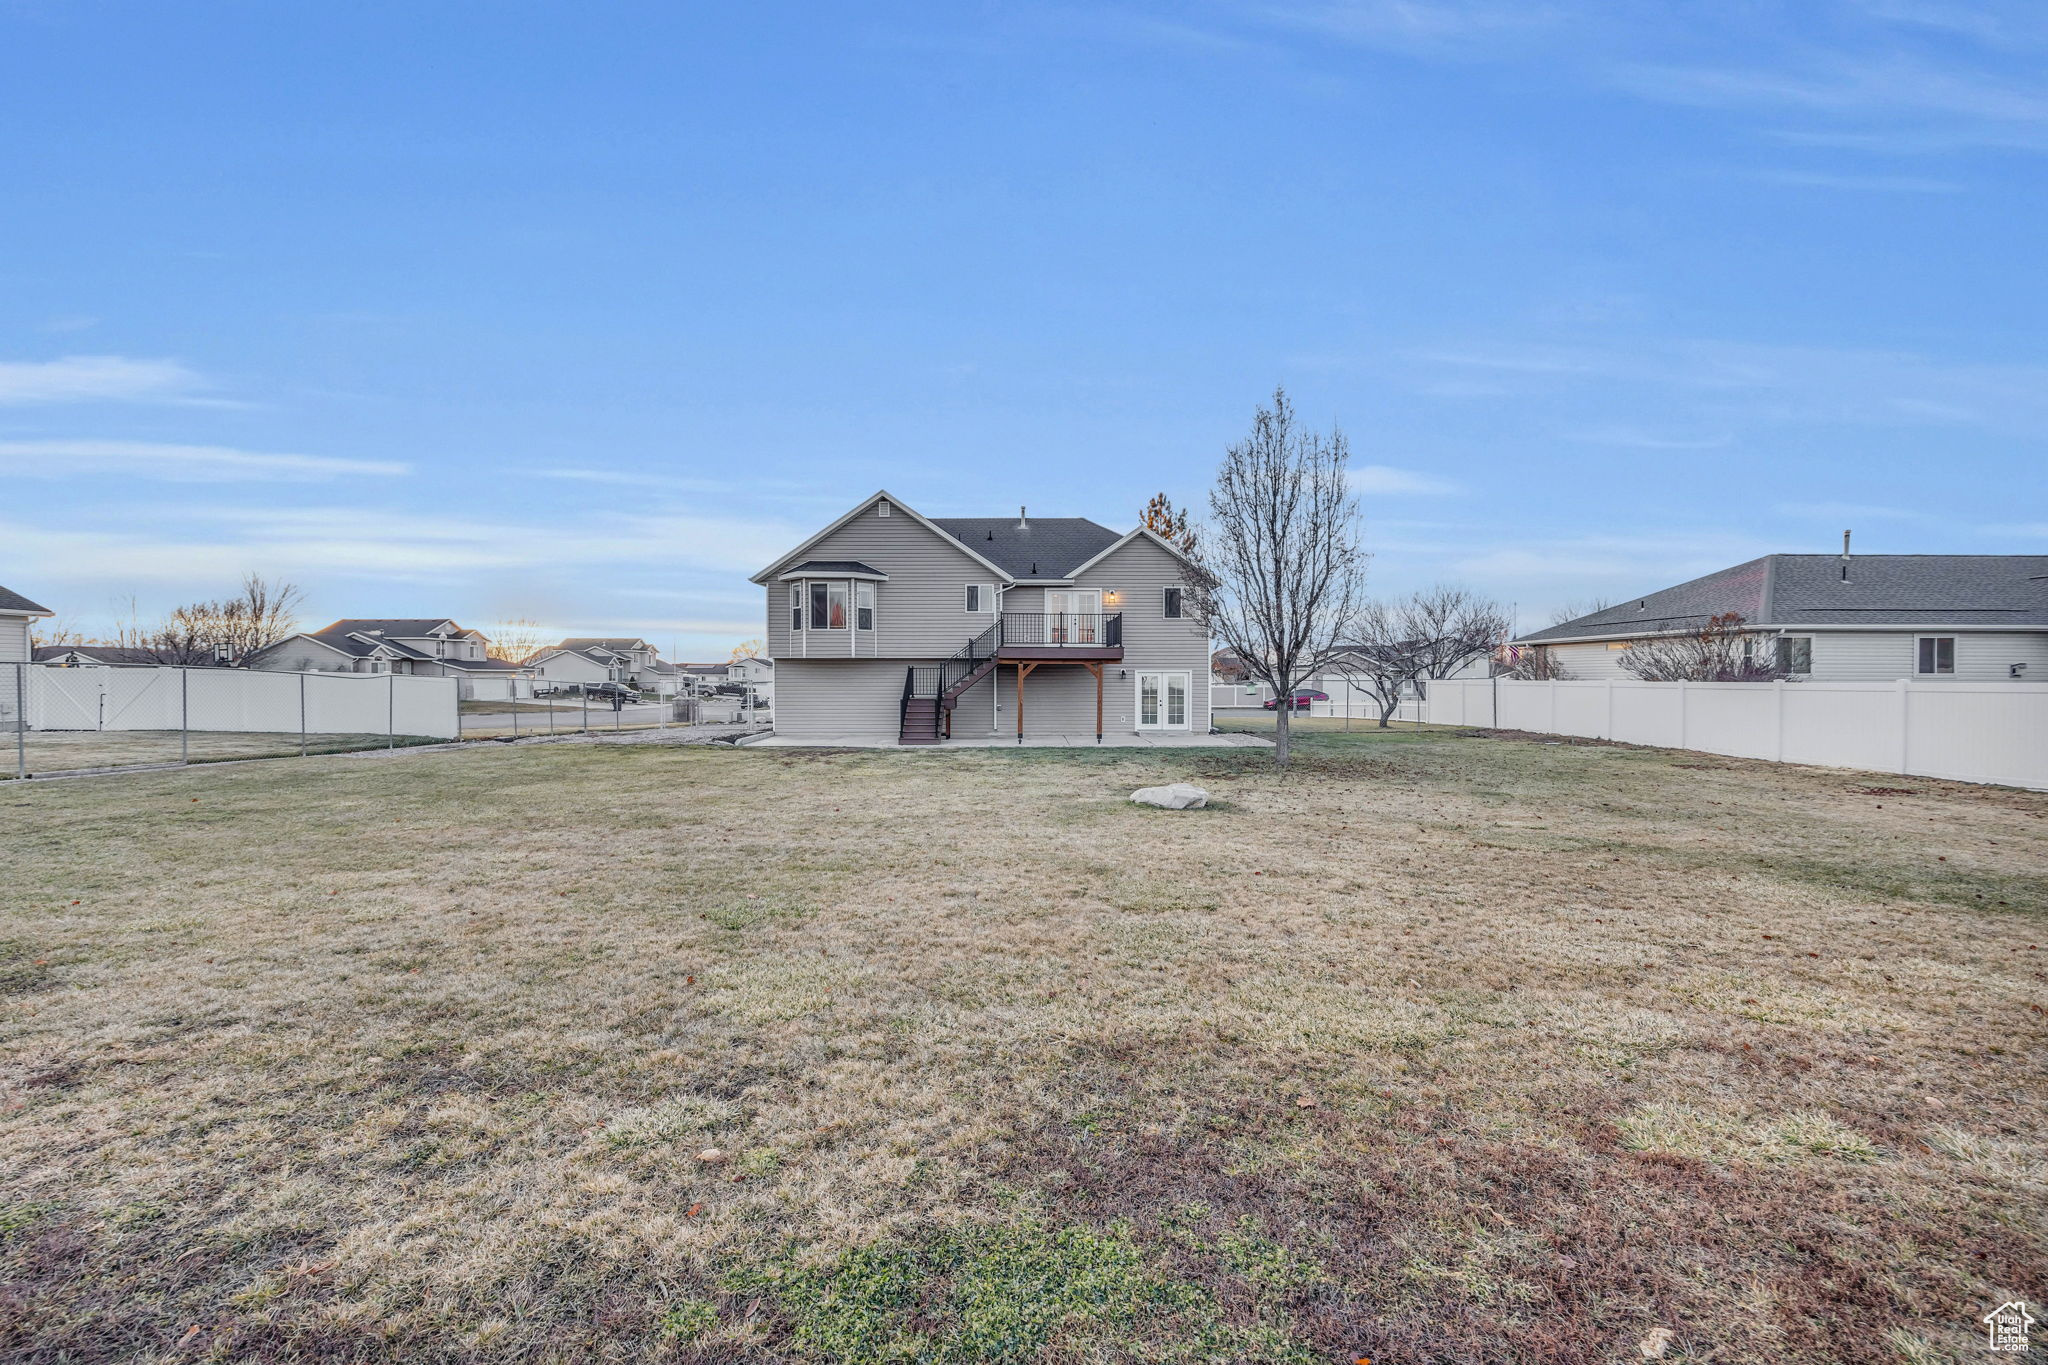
x=67 y=721
x=598 y=708
x=78 y=720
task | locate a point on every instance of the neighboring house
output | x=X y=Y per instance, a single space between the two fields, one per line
x=754 y=673
x=587 y=659
x=114 y=656
x=890 y=624
x=1842 y=618
x=428 y=647
x=16 y=612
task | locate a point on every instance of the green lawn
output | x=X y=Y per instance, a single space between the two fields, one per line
x=1440 y=1048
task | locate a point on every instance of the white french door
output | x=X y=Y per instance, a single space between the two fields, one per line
x=1163 y=700
x=1072 y=616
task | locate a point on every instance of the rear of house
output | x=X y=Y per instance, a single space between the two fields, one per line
x=891 y=625
x=1842 y=618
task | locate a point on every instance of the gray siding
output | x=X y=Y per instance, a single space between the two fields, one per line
x=1864 y=656
x=839 y=698
x=13 y=640
x=918 y=613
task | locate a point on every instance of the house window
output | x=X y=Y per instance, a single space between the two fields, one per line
x=1795 y=653
x=864 y=605
x=1170 y=605
x=828 y=606
x=1937 y=654
x=981 y=597
x=796 y=606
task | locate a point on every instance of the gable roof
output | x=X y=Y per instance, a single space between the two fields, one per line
x=896 y=504
x=1809 y=590
x=110 y=654
x=1038 y=547
x=417 y=627
x=13 y=603
x=617 y=642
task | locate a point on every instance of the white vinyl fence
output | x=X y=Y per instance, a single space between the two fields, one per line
x=1968 y=732
x=233 y=700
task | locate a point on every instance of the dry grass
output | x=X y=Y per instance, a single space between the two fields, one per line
x=1444 y=1049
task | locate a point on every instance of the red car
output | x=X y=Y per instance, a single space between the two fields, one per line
x=1301 y=700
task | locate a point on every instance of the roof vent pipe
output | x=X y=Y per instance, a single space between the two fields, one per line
x=1023 y=523
x=1845 y=556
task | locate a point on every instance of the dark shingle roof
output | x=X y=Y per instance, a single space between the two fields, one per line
x=14 y=601
x=621 y=643
x=1044 y=547
x=415 y=626
x=1809 y=590
x=111 y=654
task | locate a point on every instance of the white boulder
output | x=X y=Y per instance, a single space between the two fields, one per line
x=1177 y=796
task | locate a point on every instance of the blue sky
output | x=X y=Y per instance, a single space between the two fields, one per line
x=582 y=312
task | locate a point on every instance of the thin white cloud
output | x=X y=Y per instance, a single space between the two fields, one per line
x=1385 y=479
x=88 y=378
x=177 y=463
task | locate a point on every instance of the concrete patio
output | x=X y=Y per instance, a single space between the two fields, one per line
x=1173 y=740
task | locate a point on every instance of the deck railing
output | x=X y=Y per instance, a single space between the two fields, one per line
x=1056 y=629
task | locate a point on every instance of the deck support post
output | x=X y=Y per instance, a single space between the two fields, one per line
x=1096 y=669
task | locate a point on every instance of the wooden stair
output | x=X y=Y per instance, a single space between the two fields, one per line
x=952 y=695
x=920 y=721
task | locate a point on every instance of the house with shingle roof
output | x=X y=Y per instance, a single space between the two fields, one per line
x=430 y=647
x=891 y=625
x=16 y=612
x=597 y=659
x=1841 y=618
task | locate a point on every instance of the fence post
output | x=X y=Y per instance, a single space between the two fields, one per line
x=512 y=705
x=1905 y=710
x=1610 y=710
x=391 y=712
x=1778 y=729
x=302 y=715
x=584 y=688
x=184 y=715
x=1681 y=713
x=21 y=720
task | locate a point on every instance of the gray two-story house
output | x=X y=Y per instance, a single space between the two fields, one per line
x=892 y=625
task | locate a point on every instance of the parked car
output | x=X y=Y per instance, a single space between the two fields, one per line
x=1301 y=700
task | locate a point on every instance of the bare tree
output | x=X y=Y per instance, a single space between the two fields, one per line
x=1394 y=648
x=1162 y=520
x=1533 y=663
x=1282 y=567
x=516 y=641
x=265 y=613
x=1377 y=657
x=1572 y=611
x=53 y=630
x=1716 y=650
x=747 y=649
x=260 y=615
